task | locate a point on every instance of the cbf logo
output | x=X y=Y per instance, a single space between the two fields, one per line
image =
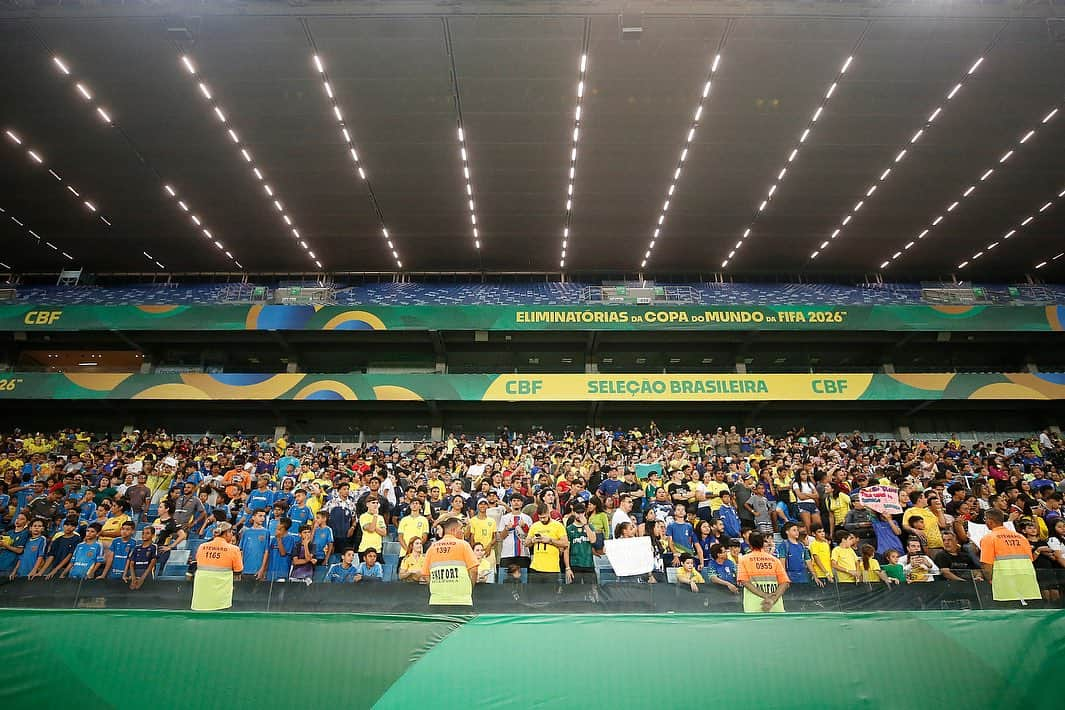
x=42 y=317
x=830 y=386
x=524 y=387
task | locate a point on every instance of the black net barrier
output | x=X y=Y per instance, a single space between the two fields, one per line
x=250 y=595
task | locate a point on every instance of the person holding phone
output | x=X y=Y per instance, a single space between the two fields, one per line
x=578 y=556
x=547 y=539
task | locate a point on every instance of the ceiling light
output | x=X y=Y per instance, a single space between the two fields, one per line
x=62 y=67
x=83 y=91
x=969 y=190
x=12 y=136
x=36 y=158
x=103 y=114
x=935 y=114
x=188 y=64
x=204 y=90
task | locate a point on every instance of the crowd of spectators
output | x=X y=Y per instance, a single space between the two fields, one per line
x=534 y=506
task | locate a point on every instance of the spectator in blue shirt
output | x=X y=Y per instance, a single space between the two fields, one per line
x=142 y=559
x=796 y=557
x=254 y=545
x=344 y=571
x=12 y=543
x=61 y=549
x=369 y=570
x=682 y=534
x=31 y=561
x=721 y=570
x=299 y=512
x=728 y=515
x=279 y=558
x=117 y=554
x=88 y=555
x=262 y=498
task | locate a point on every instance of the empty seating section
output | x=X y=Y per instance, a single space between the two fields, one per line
x=518 y=294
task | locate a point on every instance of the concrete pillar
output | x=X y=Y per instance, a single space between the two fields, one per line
x=436 y=433
x=902 y=432
x=1031 y=367
x=741 y=368
x=888 y=368
x=292 y=366
x=280 y=431
x=147 y=367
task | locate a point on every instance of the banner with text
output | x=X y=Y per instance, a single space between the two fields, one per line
x=882 y=499
x=237 y=317
x=532 y=388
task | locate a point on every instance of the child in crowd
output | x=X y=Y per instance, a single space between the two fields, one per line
x=369 y=570
x=687 y=575
x=343 y=572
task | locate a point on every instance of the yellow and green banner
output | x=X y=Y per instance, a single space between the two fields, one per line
x=532 y=318
x=531 y=388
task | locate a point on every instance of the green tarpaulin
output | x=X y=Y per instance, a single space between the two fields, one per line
x=155 y=659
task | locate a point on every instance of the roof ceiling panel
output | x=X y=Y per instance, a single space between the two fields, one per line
x=515 y=74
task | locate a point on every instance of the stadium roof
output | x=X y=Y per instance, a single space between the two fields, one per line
x=104 y=116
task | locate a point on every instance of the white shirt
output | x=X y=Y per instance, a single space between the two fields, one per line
x=513 y=542
x=933 y=570
x=620 y=516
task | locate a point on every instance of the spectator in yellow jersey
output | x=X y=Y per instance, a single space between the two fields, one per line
x=687 y=575
x=482 y=529
x=547 y=538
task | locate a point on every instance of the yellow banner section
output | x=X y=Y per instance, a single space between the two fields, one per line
x=676 y=388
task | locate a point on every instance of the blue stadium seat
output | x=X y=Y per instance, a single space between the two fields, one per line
x=517 y=294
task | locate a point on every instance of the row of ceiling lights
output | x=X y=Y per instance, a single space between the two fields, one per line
x=37 y=158
x=86 y=94
x=968 y=191
x=349 y=143
x=1028 y=219
x=792 y=156
x=36 y=237
x=696 y=117
x=573 y=158
x=469 y=184
x=935 y=114
x=271 y=193
x=197 y=222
